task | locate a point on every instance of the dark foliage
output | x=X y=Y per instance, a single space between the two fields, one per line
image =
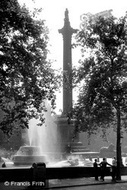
x=101 y=74
x=26 y=77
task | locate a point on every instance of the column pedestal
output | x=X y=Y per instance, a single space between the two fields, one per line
x=65 y=131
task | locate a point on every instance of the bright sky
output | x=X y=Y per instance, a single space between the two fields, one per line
x=53 y=13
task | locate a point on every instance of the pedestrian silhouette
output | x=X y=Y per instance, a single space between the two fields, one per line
x=95 y=165
x=103 y=166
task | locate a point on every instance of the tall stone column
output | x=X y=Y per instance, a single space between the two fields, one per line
x=67 y=32
x=65 y=128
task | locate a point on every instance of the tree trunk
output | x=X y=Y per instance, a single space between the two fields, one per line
x=118 y=145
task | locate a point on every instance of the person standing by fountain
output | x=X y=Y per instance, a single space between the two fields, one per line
x=95 y=165
x=103 y=166
x=114 y=169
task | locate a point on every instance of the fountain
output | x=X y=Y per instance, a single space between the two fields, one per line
x=27 y=155
x=44 y=142
x=45 y=136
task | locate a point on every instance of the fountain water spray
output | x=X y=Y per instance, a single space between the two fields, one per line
x=44 y=141
x=47 y=136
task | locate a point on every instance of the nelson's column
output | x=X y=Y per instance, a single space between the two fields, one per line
x=65 y=128
x=67 y=33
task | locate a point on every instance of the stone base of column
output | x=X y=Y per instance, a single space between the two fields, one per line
x=65 y=131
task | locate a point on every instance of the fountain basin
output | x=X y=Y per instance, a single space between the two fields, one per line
x=27 y=160
x=27 y=155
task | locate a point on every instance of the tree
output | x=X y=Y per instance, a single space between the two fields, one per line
x=102 y=99
x=26 y=76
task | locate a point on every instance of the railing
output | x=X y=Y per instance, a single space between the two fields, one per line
x=27 y=174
